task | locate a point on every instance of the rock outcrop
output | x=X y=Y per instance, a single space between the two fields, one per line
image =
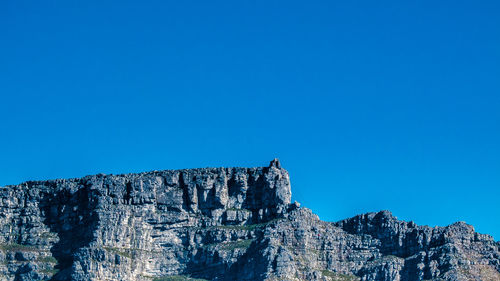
x=217 y=224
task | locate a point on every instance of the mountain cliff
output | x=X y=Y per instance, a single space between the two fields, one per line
x=217 y=224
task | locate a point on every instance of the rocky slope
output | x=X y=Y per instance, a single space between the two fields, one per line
x=217 y=224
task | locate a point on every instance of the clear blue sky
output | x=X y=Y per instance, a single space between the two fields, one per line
x=369 y=104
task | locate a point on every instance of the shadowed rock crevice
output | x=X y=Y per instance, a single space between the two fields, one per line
x=72 y=215
x=185 y=195
x=128 y=191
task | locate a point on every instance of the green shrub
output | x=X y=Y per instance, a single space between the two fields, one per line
x=48 y=259
x=121 y=252
x=14 y=247
x=177 y=278
x=241 y=244
x=339 y=276
x=49 y=271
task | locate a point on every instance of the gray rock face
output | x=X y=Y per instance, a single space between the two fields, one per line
x=217 y=224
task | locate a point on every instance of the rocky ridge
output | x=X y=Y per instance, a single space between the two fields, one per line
x=217 y=224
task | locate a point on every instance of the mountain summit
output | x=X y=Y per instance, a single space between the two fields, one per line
x=217 y=224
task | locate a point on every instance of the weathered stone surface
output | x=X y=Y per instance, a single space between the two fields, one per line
x=217 y=224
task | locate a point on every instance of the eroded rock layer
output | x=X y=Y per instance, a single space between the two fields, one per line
x=217 y=224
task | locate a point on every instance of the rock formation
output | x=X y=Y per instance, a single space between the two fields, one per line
x=217 y=224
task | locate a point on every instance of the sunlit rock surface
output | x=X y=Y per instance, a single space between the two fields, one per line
x=217 y=224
